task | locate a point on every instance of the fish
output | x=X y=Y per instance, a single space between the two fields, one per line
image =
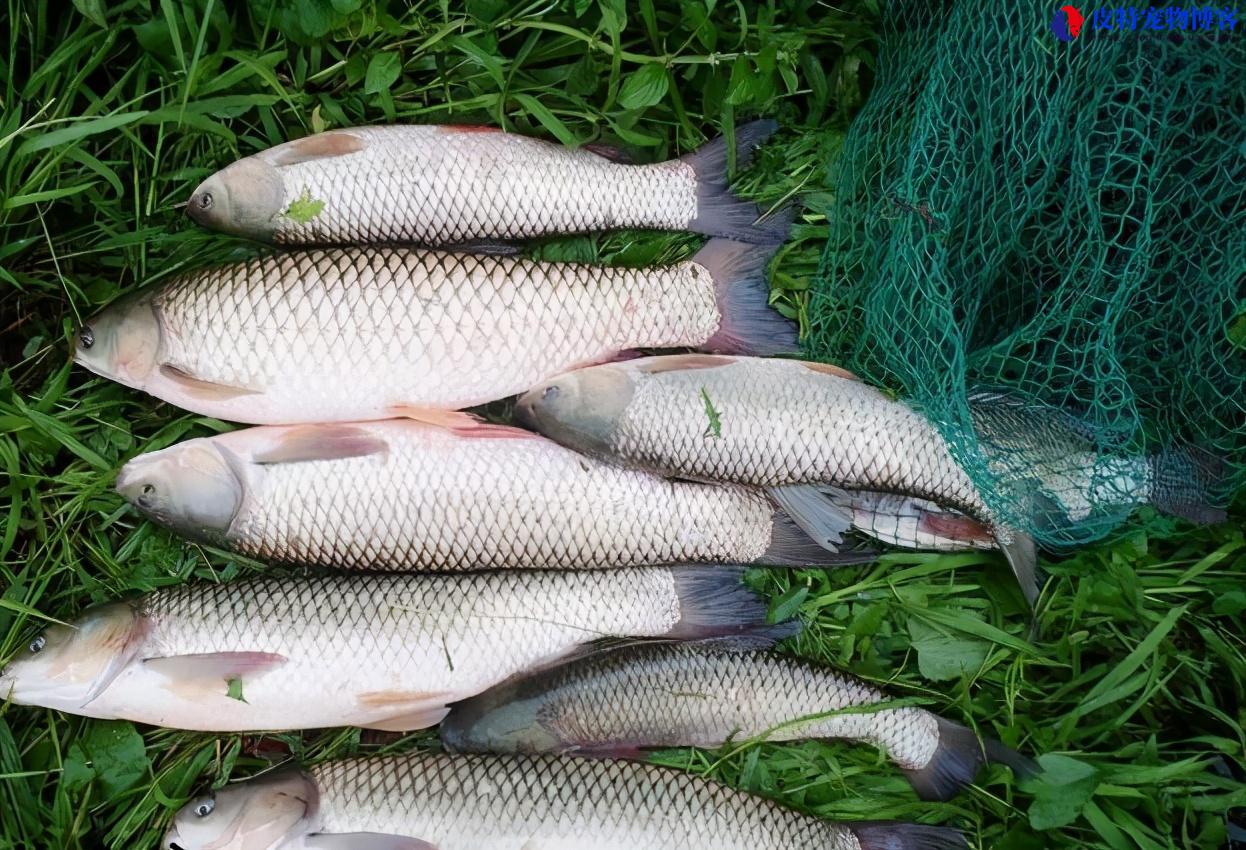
x=379 y=651
x=406 y=495
x=439 y=185
x=838 y=454
x=359 y=334
x=432 y=801
x=619 y=702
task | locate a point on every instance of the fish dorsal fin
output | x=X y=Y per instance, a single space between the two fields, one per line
x=828 y=369
x=320 y=146
x=214 y=667
x=321 y=442
x=460 y=422
x=364 y=841
x=684 y=363
x=611 y=152
x=203 y=390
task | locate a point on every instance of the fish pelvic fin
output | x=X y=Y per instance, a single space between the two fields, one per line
x=719 y=211
x=747 y=323
x=364 y=841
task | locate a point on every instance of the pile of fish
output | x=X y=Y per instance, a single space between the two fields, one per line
x=563 y=589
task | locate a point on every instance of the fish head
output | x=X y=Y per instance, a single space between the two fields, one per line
x=260 y=814
x=194 y=488
x=504 y=720
x=580 y=409
x=122 y=341
x=67 y=666
x=246 y=198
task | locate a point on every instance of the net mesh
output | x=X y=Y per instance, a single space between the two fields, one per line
x=1043 y=246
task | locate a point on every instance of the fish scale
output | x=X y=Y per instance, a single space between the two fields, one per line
x=507 y=802
x=366 y=649
x=441 y=185
x=345 y=334
x=784 y=423
x=425 y=497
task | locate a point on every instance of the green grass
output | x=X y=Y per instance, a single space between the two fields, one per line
x=110 y=113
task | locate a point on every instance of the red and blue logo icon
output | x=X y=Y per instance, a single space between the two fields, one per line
x=1067 y=23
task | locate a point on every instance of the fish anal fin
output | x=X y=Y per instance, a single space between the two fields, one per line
x=1022 y=556
x=813 y=513
x=611 y=152
x=202 y=390
x=684 y=363
x=321 y=442
x=320 y=146
x=364 y=841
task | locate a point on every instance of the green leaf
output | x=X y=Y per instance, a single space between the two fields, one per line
x=941 y=656
x=1061 y=790
x=92 y=10
x=715 y=427
x=234 y=689
x=304 y=208
x=644 y=87
x=117 y=754
x=75 y=772
x=383 y=72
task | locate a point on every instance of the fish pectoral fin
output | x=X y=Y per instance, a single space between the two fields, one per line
x=365 y=841
x=201 y=389
x=684 y=363
x=320 y=146
x=322 y=442
x=816 y=515
x=461 y=422
x=1022 y=555
x=411 y=709
x=212 y=668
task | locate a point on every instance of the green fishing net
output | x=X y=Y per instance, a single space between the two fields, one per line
x=1042 y=244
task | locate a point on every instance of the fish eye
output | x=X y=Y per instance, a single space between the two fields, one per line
x=550 y=393
x=145 y=496
x=205 y=200
x=86 y=337
x=204 y=807
x=38 y=644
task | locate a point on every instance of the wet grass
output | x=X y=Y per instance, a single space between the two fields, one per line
x=111 y=112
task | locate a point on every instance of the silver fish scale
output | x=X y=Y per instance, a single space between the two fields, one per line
x=331 y=334
x=367 y=628
x=444 y=185
x=435 y=501
x=468 y=802
x=692 y=696
x=783 y=423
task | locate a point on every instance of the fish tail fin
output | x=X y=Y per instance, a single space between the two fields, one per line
x=747 y=323
x=714 y=602
x=1183 y=480
x=719 y=211
x=1022 y=555
x=898 y=835
x=957 y=760
x=808 y=530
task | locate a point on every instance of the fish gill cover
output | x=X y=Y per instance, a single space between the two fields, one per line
x=1062 y=225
